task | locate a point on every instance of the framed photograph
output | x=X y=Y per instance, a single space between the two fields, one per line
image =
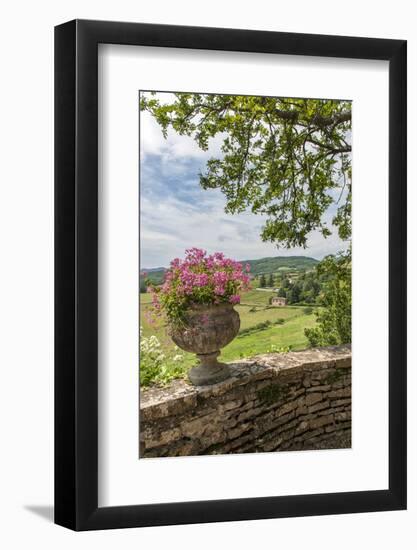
x=230 y=254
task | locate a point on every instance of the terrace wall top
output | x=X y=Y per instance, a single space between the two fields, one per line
x=180 y=396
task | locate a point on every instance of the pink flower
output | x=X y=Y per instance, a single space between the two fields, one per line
x=220 y=278
x=199 y=279
x=166 y=287
x=168 y=276
x=202 y=279
x=180 y=290
x=194 y=255
x=245 y=279
x=176 y=262
x=218 y=256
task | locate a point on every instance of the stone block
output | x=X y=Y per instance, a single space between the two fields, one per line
x=307 y=381
x=313 y=434
x=230 y=405
x=251 y=413
x=322 y=388
x=197 y=426
x=301 y=410
x=318 y=407
x=340 y=402
x=342 y=392
x=342 y=416
x=330 y=428
x=313 y=398
x=302 y=427
x=286 y=408
x=238 y=431
x=163 y=438
x=321 y=421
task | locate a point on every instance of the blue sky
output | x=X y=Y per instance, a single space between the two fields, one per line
x=177 y=214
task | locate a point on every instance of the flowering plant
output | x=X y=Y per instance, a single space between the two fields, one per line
x=156 y=366
x=199 y=279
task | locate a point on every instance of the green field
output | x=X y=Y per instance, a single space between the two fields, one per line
x=253 y=310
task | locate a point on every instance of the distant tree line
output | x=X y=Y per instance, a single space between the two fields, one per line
x=266 y=281
x=305 y=288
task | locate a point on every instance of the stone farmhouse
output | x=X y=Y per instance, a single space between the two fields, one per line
x=278 y=301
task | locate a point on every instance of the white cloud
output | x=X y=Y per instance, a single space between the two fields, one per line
x=175 y=147
x=169 y=226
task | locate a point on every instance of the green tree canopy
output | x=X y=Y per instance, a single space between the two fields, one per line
x=335 y=319
x=287 y=159
x=285 y=283
x=282 y=293
x=262 y=281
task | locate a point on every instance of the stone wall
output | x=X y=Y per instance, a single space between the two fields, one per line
x=274 y=402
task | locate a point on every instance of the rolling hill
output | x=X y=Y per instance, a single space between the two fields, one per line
x=278 y=263
x=263 y=265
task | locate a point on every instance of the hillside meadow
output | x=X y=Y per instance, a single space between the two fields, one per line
x=263 y=329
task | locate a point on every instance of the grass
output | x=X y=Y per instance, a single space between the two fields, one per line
x=257 y=297
x=253 y=310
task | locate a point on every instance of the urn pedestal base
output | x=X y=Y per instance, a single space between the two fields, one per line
x=206 y=330
x=209 y=371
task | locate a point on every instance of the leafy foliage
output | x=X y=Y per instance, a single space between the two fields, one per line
x=287 y=159
x=335 y=319
x=262 y=281
x=156 y=366
x=305 y=289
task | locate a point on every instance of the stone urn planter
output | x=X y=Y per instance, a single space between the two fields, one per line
x=207 y=330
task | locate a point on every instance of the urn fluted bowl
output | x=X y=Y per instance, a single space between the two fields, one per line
x=207 y=329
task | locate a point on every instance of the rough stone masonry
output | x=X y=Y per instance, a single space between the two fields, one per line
x=273 y=402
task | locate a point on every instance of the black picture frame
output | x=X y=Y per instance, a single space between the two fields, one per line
x=76 y=272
